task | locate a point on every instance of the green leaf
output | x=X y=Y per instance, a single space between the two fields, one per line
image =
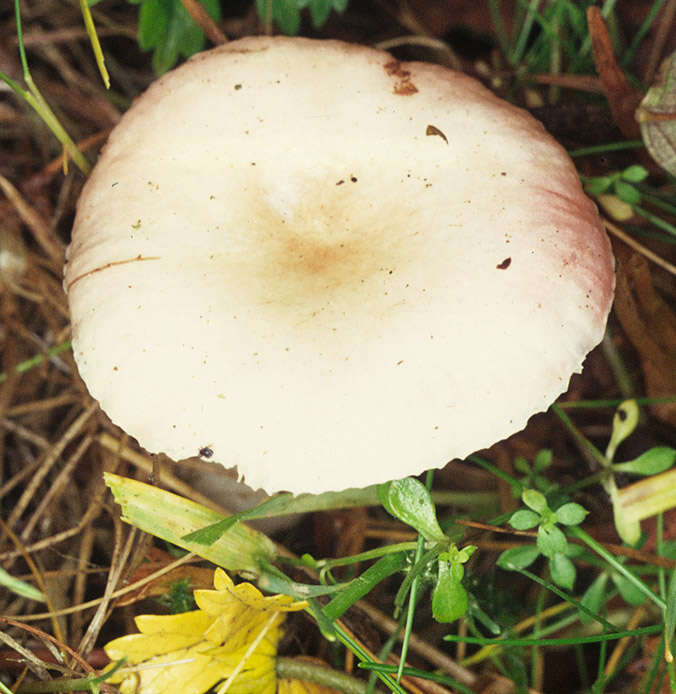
x=543 y=460
x=153 y=23
x=360 y=586
x=563 y=571
x=409 y=500
x=652 y=462
x=285 y=12
x=627 y=192
x=534 y=499
x=166 y=28
x=524 y=519
x=571 y=514
x=16 y=585
x=171 y=517
x=628 y=590
x=319 y=12
x=574 y=551
x=595 y=186
x=551 y=541
x=518 y=557
x=340 y=5
x=594 y=597
x=449 y=599
x=521 y=465
x=635 y=173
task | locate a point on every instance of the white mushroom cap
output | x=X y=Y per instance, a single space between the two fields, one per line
x=330 y=268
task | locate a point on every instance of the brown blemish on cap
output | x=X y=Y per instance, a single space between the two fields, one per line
x=504 y=264
x=433 y=130
x=403 y=86
x=139 y=258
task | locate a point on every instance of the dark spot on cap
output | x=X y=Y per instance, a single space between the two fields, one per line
x=206 y=452
x=504 y=264
x=622 y=414
x=403 y=85
x=238 y=86
x=433 y=130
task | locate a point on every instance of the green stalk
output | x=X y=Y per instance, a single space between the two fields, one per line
x=620 y=568
x=365 y=659
x=657 y=221
x=293 y=668
x=413 y=594
x=94 y=40
x=582 y=440
x=28 y=364
x=35 y=99
x=610 y=147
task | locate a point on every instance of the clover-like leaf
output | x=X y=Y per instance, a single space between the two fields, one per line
x=534 y=499
x=518 y=557
x=628 y=590
x=597 y=185
x=551 y=541
x=543 y=459
x=562 y=570
x=524 y=519
x=635 y=173
x=627 y=192
x=571 y=514
x=594 y=597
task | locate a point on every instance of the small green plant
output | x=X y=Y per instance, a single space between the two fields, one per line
x=621 y=183
x=165 y=28
x=287 y=13
x=179 y=597
x=533 y=474
x=645 y=498
x=551 y=540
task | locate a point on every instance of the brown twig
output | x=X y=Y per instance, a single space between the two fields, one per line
x=205 y=22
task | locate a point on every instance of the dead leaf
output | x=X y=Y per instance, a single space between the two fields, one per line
x=650 y=325
x=623 y=99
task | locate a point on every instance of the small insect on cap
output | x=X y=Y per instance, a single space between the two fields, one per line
x=330 y=268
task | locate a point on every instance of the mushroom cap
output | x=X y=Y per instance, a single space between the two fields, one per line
x=330 y=268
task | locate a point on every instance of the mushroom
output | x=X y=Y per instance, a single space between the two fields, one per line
x=330 y=268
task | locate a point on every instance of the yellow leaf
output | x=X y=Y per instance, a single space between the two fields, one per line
x=160 y=634
x=234 y=635
x=249 y=595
